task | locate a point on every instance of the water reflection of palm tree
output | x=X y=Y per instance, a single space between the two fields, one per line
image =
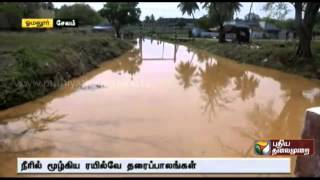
x=186 y=72
x=291 y=118
x=260 y=119
x=203 y=56
x=266 y=124
x=213 y=80
x=246 y=84
x=34 y=122
x=129 y=65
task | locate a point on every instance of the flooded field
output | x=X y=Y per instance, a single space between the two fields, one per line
x=159 y=100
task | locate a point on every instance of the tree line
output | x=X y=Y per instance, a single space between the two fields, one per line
x=12 y=13
x=117 y=14
x=306 y=15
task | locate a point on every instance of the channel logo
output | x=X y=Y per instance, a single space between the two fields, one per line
x=262 y=147
x=282 y=147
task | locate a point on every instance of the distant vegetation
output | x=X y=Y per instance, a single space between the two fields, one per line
x=82 y=12
x=121 y=14
x=11 y=13
x=149 y=19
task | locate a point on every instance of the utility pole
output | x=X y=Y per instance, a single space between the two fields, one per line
x=249 y=21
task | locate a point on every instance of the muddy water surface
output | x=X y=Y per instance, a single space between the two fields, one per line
x=159 y=100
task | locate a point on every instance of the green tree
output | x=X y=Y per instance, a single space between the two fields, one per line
x=188 y=7
x=181 y=24
x=47 y=5
x=203 y=22
x=305 y=20
x=147 y=20
x=50 y=6
x=82 y=12
x=282 y=24
x=277 y=10
x=11 y=13
x=219 y=12
x=121 y=14
x=10 y=16
x=152 y=19
x=30 y=10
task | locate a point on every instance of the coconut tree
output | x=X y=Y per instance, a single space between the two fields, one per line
x=188 y=7
x=219 y=12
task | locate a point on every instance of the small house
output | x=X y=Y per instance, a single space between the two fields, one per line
x=286 y=34
x=235 y=31
x=269 y=30
x=257 y=29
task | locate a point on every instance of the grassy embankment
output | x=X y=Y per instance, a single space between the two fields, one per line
x=274 y=54
x=35 y=63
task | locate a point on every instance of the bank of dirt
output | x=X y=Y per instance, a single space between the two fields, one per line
x=29 y=70
x=278 y=55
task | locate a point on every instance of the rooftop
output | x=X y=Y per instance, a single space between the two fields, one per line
x=256 y=25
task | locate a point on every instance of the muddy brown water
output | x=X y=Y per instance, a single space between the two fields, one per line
x=159 y=100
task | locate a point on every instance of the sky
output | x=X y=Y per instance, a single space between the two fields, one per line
x=169 y=9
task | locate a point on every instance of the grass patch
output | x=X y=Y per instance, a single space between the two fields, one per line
x=268 y=53
x=33 y=64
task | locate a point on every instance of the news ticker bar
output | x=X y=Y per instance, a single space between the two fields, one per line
x=152 y=165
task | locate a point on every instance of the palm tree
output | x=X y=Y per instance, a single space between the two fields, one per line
x=219 y=12
x=188 y=7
